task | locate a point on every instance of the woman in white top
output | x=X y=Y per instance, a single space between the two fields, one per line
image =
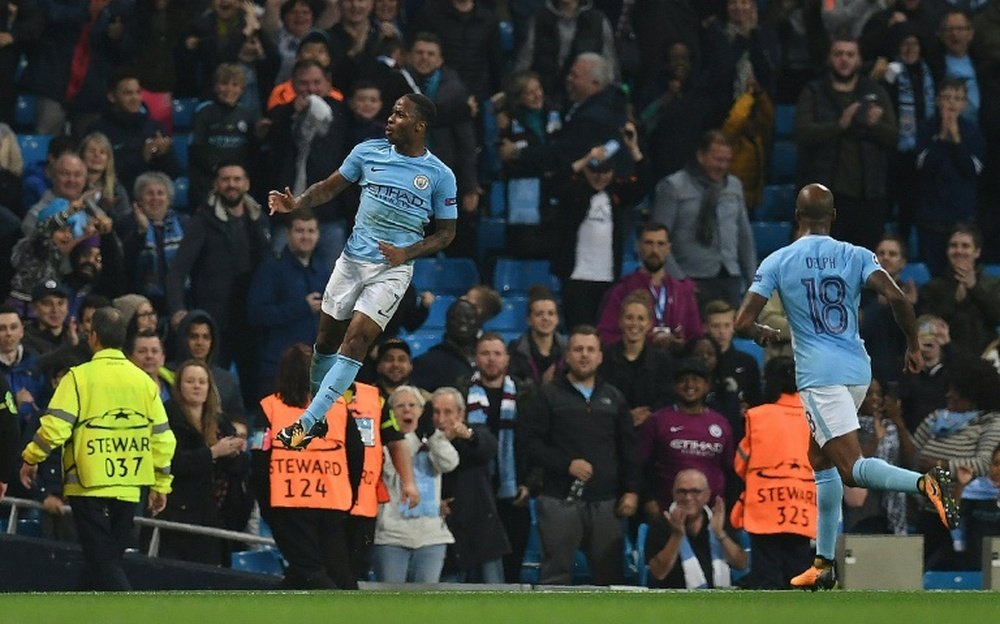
x=410 y=544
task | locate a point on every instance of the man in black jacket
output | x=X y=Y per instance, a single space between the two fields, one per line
x=450 y=362
x=307 y=141
x=140 y=144
x=579 y=431
x=223 y=244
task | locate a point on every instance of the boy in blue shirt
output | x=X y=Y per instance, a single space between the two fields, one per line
x=819 y=279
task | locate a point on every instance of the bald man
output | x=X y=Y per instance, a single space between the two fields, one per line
x=819 y=280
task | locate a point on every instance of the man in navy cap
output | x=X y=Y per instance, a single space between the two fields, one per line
x=50 y=304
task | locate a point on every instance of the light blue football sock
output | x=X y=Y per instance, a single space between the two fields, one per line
x=320 y=365
x=335 y=383
x=877 y=474
x=829 y=495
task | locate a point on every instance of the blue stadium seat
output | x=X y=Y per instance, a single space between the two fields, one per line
x=181 y=144
x=630 y=249
x=507 y=36
x=492 y=237
x=512 y=317
x=182 y=186
x=439 y=309
x=515 y=277
x=752 y=348
x=264 y=561
x=183 y=114
x=452 y=276
x=498 y=199
x=510 y=336
x=640 y=547
x=769 y=236
x=25 y=112
x=630 y=266
x=778 y=204
x=531 y=564
x=33 y=147
x=784 y=161
x=784 y=121
x=420 y=341
x=992 y=270
x=971 y=579
x=916 y=271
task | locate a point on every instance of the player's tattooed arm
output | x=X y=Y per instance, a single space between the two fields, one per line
x=323 y=191
x=316 y=195
x=443 y=234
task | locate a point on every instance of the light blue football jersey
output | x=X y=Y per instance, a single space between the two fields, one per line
x=399 y=194
x=819 y=280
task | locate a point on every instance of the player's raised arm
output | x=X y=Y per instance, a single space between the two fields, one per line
x=444 y=233
x=316 y=195
x=902 y=311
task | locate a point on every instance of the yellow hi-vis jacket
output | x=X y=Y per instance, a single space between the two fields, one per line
x=109 y=415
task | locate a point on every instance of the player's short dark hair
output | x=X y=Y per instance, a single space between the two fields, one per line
x=110 y=327
x=426 y=110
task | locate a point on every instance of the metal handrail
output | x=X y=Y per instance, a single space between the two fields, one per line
x=155 y=524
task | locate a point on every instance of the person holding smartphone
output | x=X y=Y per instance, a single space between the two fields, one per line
x=593 y=204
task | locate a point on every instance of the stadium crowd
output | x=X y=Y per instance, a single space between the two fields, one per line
x=648 y=150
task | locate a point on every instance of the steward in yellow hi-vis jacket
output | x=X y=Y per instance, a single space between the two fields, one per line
x=109 y=415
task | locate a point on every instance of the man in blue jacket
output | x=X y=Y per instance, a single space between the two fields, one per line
x=286 y=293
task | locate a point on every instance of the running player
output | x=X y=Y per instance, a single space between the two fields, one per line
x=819 y=280
x=403 y=186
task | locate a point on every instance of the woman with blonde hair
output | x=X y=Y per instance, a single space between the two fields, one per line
x=99 y=157
x=209 y=467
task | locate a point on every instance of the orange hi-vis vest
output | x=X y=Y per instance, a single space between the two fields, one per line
x=773 y=460
x=365 y=404
x=315 y=477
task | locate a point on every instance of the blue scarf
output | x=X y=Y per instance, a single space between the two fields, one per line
x=426 y=478
x=909 y=122
x=503 y=466
x=945 y=422
x=694 y=576
x=152 y=276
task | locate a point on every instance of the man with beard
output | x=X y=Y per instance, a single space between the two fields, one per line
x=98 y=268
x=492 y=401
x=675 y=309
x=222 y=245
x=845 y=128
